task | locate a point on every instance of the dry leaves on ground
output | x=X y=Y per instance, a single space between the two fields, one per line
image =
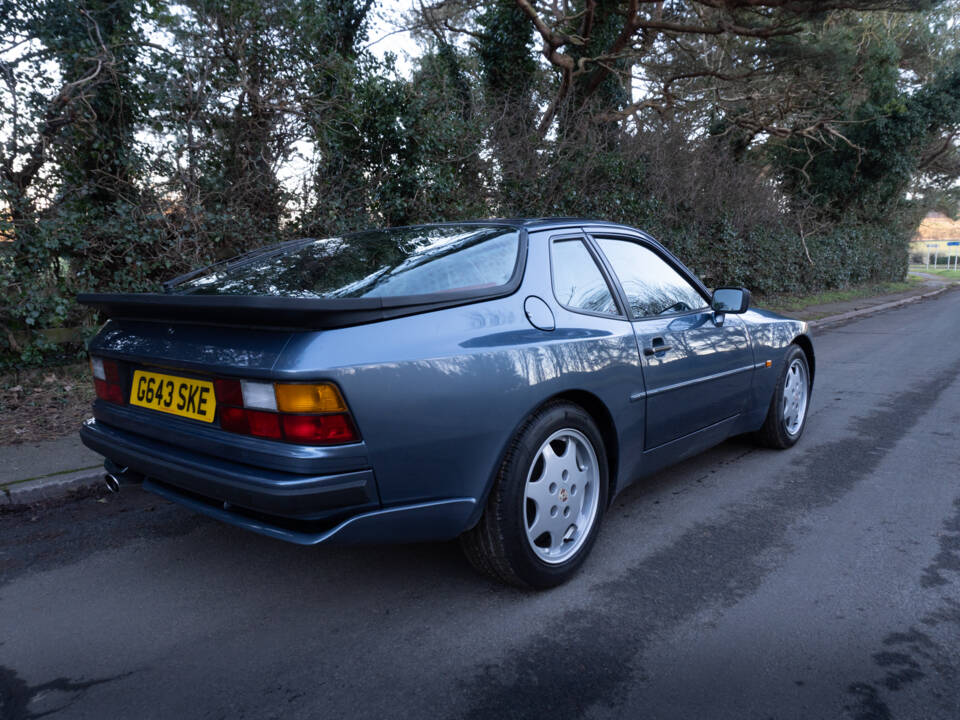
x=44 y=403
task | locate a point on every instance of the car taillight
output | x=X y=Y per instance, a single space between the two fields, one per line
x=106 y=380
x=307 y=414
x=324 y=398
x=228 y=392
x=319 y=429
x=264 y=424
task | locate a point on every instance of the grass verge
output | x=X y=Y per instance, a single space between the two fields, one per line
x=793 y=303
x=939 y=272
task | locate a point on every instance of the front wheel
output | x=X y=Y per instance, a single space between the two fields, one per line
x=544 y=511
x=787 y=415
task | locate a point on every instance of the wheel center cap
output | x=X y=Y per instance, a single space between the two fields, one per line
x=563 y=494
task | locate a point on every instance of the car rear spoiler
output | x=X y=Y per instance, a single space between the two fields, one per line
x=277 y=312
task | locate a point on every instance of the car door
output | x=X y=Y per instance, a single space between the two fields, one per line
x=599 y=348
x=697 y=365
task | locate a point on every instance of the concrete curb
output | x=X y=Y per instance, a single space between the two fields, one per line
x=831 y=319
x=26 y=492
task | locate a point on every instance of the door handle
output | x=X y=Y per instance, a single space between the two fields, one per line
x=656 y=346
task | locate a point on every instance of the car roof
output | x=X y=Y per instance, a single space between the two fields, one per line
x=529 y=223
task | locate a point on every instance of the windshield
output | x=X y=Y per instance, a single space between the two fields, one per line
x=381 y=263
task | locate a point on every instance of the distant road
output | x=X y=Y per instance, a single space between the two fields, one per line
x=821 y=582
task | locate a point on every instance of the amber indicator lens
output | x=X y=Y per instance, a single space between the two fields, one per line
x=322 y=398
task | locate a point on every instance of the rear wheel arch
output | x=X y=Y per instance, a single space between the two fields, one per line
x=595 y=408
x=598 y=410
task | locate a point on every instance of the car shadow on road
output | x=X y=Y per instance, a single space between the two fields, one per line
x=235 y=560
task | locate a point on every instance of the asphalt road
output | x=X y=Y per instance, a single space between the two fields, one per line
x=820 y=582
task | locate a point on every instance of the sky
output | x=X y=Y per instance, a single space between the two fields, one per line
x=387 y=34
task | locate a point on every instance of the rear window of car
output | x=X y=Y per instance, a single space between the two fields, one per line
x=380 y=263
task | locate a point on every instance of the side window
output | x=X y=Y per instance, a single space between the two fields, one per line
x=651 y=285
x=577 y=281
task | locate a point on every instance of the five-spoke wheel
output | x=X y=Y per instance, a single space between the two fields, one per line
x=546 y=505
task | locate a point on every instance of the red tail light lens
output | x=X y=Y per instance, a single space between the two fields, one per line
x=234 y=419
x=113 y=372
x=228 y=392
x=106 y=380
x=251 y=422
x=264 y=424
x=319 y=429
x=108 y=392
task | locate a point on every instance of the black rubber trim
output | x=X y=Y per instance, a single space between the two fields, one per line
x=622 y=308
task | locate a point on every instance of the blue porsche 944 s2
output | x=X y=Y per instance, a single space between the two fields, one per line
x=500 y=381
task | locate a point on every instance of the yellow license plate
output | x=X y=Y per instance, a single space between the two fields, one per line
x=186 y=397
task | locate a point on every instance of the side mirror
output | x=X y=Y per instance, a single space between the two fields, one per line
x=730 y=300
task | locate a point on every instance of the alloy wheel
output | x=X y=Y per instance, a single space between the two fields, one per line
x=561 y=496
x=795 y=393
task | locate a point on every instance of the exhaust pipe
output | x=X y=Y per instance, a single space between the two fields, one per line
x=112 y=482
x=115 y=477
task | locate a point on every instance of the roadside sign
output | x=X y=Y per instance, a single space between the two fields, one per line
x=954 y=242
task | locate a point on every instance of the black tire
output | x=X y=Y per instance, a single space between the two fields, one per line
x=774 y=432
x=498 y=545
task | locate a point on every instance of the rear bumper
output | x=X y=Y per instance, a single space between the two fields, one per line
x=430 y=521
x=306 y=510
x=260 y=490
